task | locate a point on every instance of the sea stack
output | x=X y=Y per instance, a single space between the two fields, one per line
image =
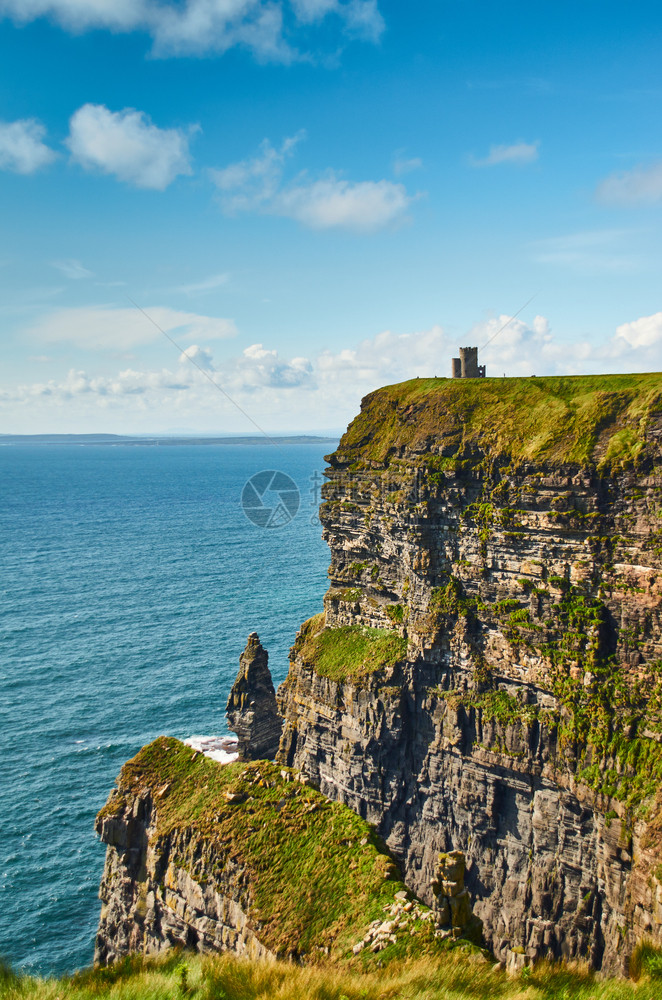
x=251 y=708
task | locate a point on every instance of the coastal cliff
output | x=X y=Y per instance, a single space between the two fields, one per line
x=245 y=858
x=483 y=690
x=486 y=674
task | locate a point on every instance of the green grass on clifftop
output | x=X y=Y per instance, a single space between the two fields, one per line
x=456 y=976
x=553 y=420
x=317 y=873
x=349 y=652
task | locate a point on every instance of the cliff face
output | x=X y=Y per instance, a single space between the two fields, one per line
x=166 y=888
x=486 y=674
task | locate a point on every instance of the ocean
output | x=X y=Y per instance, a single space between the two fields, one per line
x=130 y=579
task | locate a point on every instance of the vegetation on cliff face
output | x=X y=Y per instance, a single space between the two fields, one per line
x=349 y=652
x=316 y=873
x=460 y=975
x=551 y=420
x=603 y=710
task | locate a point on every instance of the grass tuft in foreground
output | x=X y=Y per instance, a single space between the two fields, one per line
x=458 y=975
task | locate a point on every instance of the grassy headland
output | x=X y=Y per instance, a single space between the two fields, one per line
x=556 y=420
x=349 y=652
x=318 y=874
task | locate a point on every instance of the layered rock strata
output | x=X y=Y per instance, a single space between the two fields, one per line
x=251 y=707
x=452 y=901
x=486 y=678
x=505 y=539
x=157 y=894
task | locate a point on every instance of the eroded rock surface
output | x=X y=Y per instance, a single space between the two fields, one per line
x=158 y=892
x=251 y=709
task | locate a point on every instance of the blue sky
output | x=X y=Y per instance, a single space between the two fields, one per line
x=316 y=197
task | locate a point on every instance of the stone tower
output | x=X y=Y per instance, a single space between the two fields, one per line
x=466 y=366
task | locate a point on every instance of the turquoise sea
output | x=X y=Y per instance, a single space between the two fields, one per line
x=130 y=578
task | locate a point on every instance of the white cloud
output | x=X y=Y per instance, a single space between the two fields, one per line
x=518 y=153
x=72 y=269
x=523 y=349
x=22 y=146
x=644 y=332
x=125 y=383
x=256 y=378
x=126 y=144
x=79 y=15
x=363 y=19
x=258 y=368
x=110 y=328
x=257 y=184
x=540 y=326
x=199 y=27
x=252 y=183
x=200 y=356
x=310 y=11
x=643 y=185
x=334 y=203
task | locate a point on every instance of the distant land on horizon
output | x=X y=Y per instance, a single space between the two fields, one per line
x=146 y=440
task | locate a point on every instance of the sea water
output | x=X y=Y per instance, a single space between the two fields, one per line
x=130 y=578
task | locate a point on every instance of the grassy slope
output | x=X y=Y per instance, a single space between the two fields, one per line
x=553 y=420
x=455 y=976
x=313 y=884
x=349 y=652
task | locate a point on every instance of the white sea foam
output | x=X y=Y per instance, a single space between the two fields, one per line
x=220 y=748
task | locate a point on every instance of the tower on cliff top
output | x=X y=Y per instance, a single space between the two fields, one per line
x=466 y=366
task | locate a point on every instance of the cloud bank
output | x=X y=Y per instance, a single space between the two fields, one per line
x=201 y=27
x=300 y=393
x=116 y=329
